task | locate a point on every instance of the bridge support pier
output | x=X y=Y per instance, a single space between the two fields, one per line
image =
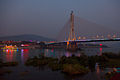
x=72 y=46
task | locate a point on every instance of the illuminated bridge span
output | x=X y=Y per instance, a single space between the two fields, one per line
x=78 y=30
x=87 y=40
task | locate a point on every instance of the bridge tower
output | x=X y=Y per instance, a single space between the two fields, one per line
x=71 y=44
x=72 y=33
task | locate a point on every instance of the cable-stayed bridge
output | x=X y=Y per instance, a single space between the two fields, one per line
x=78 y=30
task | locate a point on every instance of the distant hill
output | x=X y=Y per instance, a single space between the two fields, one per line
x=26 y=37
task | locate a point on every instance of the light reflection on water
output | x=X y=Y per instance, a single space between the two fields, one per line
x=23 y=54
x=9 y=55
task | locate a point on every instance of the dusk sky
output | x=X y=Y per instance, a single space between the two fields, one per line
x=47 y=17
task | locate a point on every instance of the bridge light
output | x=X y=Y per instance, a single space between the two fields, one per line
x=102 y=36
x=97 y=36
x=68 y=39
x=67 y=43
x=84 y=37
x=79 y=37
x=108 y=36
x=114 y=36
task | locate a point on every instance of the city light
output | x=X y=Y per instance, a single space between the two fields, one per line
x=10 y=47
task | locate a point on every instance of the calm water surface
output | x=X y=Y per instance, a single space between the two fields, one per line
x=43 y=73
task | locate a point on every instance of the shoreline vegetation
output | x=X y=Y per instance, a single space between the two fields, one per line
x=68 y=65
x=76 y=65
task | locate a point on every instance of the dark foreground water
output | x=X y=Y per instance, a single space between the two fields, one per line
x=22 y=72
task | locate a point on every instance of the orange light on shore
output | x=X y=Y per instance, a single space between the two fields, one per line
x=10 y=47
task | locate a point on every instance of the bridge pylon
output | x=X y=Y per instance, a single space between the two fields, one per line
x=71 y=44
x=72 y=33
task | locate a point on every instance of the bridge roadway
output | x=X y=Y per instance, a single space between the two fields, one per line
x=88 y=40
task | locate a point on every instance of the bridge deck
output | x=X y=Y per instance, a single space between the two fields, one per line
x=89 y=40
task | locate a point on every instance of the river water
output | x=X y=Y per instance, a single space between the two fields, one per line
x=43 y=73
